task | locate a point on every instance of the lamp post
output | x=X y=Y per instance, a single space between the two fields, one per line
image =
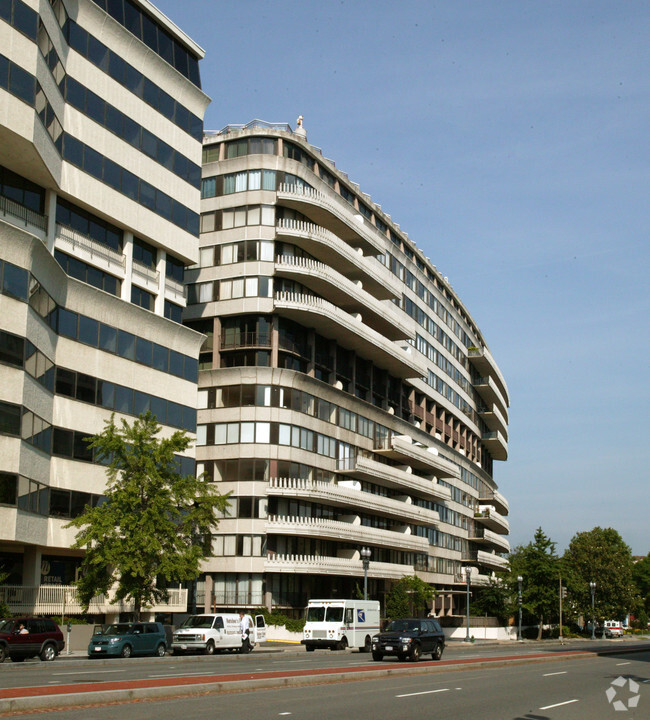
x=365 y=559
x=592 y=587
x=519 y=581
x=468 y=573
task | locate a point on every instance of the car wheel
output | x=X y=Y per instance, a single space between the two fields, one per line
x=377 y=655
x=309 y=648
x=161 y=650
x=209 y=648
x=367 y=645
x=126 y=651
x=437 y=653
x=48 y=653
x=342 y=644
x=415 y=653
x=3 y=653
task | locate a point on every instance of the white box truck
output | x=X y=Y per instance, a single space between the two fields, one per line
x=338 y=624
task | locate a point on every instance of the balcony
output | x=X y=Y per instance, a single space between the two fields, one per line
x=334 y=213
x=349 y=532
x=488 y=390
x=402 y=449
x=482 y=360
x=493 y=541
x=318 y=565
x=88 y=250
x=18 y=214
x=334 y=323
x=496 y=444
x=347 y=295
x=494 y=418
x=347 y=497
x=491 y=519
x=496 y=499
x=146 y=276
x=484 y=559
x=62 y=599
x=175 y=291
x=331 y=250
x=365 y=468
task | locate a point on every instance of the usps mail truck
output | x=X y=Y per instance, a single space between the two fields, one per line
x=339 y=624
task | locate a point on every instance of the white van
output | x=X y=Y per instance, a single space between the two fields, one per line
x=212 y=633
x=338 y=624
x=613 y=628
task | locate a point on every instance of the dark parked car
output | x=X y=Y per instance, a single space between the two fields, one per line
x=410 y=638
x=126 y=639
x=22 y=638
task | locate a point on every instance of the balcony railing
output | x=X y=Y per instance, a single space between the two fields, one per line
x=146 y=272
x=22 y=213
x=322 y=565
x=75 y=241
x=245 y=339
x=59 y=599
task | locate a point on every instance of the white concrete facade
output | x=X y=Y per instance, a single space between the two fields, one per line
x=347 y=398
x=100 y=152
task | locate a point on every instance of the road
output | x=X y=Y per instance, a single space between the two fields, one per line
x=572 y=688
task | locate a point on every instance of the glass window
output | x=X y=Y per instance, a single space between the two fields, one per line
x=86 y=388
x=62 y=442
x=175 y=363
x=88 y=330
x=123 y=400
x=126 y=345
x=107 y=338
x=9 y=418
x=12 y=349
x=14 y=281
x=67 y=323
x=160 y=357
x=105 y=394
x=65 y=382
x=144 y=351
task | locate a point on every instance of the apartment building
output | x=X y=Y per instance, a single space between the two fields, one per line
x=347 y=399
x=101 y=124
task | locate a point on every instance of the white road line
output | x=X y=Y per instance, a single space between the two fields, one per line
x=566 y=702
x=91 y=672
x=625 y=663
x=284 y=713
x=562 y=672
x=424 y=692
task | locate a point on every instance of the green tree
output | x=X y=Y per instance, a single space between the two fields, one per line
x=641 y=578
x=155 y=522
x=494 y=599
x=600 y=556
x=410 y=596
x=5 y=612
x=538 y=564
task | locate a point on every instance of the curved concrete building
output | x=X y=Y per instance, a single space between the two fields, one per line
x=347 y=399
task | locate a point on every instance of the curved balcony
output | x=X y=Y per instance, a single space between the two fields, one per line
x=496 y=499
x=318 y=565
x=482 y=360
x=404 y=450
x=483 y=536
x=487 y=389
x=494 y=418
x=334 y=323
x=334 y=213
x=330 y=249
x=343 y=496
x=365 y=468
x=347 y=295
x=484 y=559
x=496 y=444
x=491 y=519
x=338 y=530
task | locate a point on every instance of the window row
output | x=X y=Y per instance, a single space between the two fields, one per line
x=31 y=496
x=426 y=322
x=145 y=28
x=20 y=190
x=20 y=16
x=230 y=289
x=133 y=80
x=22 y=353
x=88 y=273
x=238 y=217
x=237 y=252
x=239 y=546
x=432 y=354
x=130 y=131
x=120 y=179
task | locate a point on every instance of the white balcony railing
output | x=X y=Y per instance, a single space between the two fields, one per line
x=319 y=565
x=16 y=211
x=74 y=241
x=149 y=274
x=60 y=599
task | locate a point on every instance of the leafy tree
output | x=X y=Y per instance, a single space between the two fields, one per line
x=641 y=578
x=5 y=611
x=154 y=522
x=600 y=556
x=410 y=596
x=494 y=599
x=538 y=564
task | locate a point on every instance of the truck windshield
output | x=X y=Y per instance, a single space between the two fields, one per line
x=335 y=614
x=198 y=621
x=315 y=614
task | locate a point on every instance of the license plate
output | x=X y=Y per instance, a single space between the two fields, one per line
x=389 y=647
x=98 y=649
x=183 y=647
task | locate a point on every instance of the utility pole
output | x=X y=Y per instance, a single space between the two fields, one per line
x=561 y=598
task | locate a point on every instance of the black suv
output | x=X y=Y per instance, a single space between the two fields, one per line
x=22 y=638
x=410 y=638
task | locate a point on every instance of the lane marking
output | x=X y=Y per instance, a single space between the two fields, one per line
x=562 y=672
x=424 y=692
x=625 y=663
x=284 y=713
x=566 y=702
x=90 y=672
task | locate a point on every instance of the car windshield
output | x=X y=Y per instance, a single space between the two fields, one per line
x=403 y=625
x=6 y=625
x=117 y=629
x=198 y=621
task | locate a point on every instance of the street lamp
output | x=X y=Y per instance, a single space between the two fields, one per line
x=592 y=587
x=468 y=573
x=519 y=581
x=365 y=559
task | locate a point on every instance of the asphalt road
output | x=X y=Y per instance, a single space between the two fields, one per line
x=564 y=689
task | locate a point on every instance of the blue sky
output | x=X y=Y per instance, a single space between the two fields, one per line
x=510 y=140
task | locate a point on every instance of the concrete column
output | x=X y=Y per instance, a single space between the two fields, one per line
x=127 y=249
x=32 y=566
x=209 y=588
x=268 y=600
x=50 y=211
x=275 y=340
x=216 y=343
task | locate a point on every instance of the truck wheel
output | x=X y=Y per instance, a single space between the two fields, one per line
x=209 y=648
x=309 y=648
x=367 y=645
x=342 y=644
